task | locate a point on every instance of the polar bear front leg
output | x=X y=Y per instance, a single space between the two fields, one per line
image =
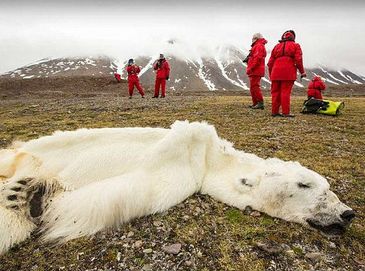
x=15 y=226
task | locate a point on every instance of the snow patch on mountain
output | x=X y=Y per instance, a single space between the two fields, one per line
x=147 y=67
x=204 y=77
x=221 y=67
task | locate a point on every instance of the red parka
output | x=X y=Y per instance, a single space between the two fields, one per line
x=133 y=71
x=315 y=87
x=256 y=60
x=117 y=76
x=285 y=60
x=163 y=69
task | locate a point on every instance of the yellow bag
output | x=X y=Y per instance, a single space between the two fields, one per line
x=333 y=108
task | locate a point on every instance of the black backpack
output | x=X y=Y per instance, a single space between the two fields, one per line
x=312 y=106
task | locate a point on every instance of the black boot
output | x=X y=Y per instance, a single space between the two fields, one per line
x=288 y=115
x=276 y=115
x=259 y=105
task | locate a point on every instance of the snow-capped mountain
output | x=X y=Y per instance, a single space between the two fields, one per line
x=224 y=71
x=64 y=67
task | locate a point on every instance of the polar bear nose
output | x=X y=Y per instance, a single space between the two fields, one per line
x=348 y=215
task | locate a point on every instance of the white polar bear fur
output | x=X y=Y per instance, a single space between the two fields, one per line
x=101 y=178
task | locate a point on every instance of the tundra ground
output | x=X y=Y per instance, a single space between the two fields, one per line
x=212 y=235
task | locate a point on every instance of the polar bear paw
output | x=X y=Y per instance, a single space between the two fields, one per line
x=15 y=195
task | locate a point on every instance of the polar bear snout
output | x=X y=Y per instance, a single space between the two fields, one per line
x=337 y=226
x=348 y=216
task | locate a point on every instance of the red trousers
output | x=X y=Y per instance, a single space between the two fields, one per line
x=255 y=89
x=280 y=95
x=160 y=82
x=315 y=93
x=131 y=84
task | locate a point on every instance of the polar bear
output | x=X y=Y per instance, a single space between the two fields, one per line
x=76 y=183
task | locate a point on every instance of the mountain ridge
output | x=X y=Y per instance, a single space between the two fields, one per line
x=224 y=71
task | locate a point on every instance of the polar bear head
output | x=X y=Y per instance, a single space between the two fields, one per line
x=294 y=193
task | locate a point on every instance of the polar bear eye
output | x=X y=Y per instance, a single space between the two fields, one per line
x=303 y=185
x=244 y=182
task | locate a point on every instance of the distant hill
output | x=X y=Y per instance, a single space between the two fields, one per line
x=225 y=71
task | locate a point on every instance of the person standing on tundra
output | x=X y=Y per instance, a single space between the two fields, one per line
x=133 y=70
x=256 y=69
x=285 y=60
x=162 y=68
x=315 y=88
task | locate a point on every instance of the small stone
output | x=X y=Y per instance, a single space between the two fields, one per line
x=173 y=249
x=360 y=262
x=157 y=223
x=186 y=217
x=313 y=256
x=199 y=254
x=130 y=234
x=271 y=249
x=148 y=250
x=119 y=256
x=255 y=214
x=332 y=245
x=188 y=263
x=147 y=267
x=248 y=210
x=79 y=254
x=285 y=246
x=138 y=244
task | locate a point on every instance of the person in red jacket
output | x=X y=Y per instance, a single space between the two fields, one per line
x=256 y=69
x=162 y=68
x=285 y=60
x=118 y=77
x=315 y=88
x=133 y=80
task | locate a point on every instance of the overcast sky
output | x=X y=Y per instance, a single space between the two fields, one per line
x=330 y=32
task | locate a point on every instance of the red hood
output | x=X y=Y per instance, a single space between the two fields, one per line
x=287 y=36
x=316 y=78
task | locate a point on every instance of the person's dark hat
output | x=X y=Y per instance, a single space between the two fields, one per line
x=130 y=61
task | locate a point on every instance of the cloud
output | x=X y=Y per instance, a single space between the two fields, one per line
x=330 y=34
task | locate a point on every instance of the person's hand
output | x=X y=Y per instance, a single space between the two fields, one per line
x=303 y=75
